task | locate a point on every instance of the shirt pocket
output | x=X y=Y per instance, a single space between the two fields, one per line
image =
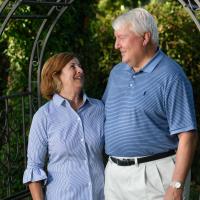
x=149 y=101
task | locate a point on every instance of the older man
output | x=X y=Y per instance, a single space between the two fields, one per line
x=150 y=123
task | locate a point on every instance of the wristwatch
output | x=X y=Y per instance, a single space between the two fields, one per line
x=176 y=184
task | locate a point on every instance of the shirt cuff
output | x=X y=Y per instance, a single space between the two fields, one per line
x=185 y=129
x=34 y=174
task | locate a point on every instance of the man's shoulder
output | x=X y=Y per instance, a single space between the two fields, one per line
x=171 y=68
x=170 y=63
x=119 y=67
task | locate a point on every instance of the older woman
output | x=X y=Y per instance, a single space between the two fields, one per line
x=67 y=132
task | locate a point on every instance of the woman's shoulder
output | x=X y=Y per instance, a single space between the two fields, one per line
x=96 y=102
x=43 y=111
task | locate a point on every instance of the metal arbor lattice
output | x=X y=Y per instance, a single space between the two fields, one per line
x=13 y=131
x=193 y=9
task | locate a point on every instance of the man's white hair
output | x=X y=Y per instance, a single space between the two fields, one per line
x=139 y=21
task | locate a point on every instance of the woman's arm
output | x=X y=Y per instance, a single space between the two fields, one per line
x=35 y=175
x=36 y=190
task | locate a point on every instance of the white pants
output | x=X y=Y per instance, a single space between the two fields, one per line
x=146 y=181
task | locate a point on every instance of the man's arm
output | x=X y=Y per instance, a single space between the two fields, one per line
x=36 y=190
x=184 y=156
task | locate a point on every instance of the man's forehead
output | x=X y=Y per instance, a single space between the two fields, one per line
x=123 y=31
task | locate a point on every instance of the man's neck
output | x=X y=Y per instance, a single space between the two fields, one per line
x=149 y=54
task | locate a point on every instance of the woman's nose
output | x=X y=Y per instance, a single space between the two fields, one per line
x=79 y=70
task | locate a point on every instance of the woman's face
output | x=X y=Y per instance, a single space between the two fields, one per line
x=72 y=75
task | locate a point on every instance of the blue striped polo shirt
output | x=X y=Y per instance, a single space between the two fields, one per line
x=146 y=110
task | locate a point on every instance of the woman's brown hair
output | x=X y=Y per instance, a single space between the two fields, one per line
x=50 y=81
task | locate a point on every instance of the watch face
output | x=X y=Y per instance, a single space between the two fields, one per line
x=177 y=185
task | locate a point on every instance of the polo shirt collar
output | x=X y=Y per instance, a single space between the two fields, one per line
x=59 y=100
x=151 y=65
x=126 y=67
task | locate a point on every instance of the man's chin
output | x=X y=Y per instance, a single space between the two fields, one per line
x=124 y=60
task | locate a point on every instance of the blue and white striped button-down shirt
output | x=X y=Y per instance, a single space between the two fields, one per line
x=73 y=142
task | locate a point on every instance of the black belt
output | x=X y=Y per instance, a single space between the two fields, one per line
x=127 y=162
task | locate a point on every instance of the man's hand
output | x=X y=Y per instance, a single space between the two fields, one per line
x=173 y=194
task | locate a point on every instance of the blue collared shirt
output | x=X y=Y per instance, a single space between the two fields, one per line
x=146 y=110
x=72 y=142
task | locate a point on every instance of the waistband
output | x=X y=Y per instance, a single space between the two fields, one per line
x=128 y=162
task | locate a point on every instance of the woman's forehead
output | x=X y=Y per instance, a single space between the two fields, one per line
x=74 y=60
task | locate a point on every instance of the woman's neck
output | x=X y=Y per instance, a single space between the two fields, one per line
x=75 y=98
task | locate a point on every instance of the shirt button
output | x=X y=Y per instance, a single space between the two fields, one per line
x=131 y=85
x=89 y=184
x=82 y=140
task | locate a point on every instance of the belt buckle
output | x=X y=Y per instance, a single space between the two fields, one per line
x=136 y=161
x=129 y=162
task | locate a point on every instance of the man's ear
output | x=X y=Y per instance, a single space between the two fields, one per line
x=147 y=38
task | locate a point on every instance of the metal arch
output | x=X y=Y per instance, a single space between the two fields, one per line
x=15 y=6
x=3 y=5
x=40 y=2
x=33 y=54
x=191 y=11
x=197 y=2
x=43 y=49
x=37 y=55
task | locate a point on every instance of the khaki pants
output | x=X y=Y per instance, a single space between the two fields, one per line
x=146 y=181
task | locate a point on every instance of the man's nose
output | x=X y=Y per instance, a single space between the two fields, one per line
x=117 y=45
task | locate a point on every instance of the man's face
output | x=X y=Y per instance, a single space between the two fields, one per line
x=130 y=45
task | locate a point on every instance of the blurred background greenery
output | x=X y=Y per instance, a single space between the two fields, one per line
x=85 y=29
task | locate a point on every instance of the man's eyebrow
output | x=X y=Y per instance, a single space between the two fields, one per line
x=122 y=35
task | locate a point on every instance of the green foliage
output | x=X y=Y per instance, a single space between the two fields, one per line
x=19 y=36
x=178 y=35
x=12 y=149
x=102 y=38
x=4 y=65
